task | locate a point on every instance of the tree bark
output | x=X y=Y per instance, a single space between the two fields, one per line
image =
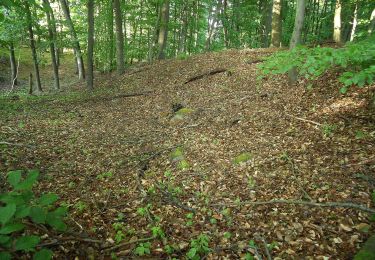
x=56 y=45
x=32 y=46
x=355 y=22
x=296 y=37
x=77 y=47
x=276 y=24
x=163 y=32
x=51 y=40
x=372 y=22
x=13 y=65
x=337 y=23
x=119 y=38
x=90 y=44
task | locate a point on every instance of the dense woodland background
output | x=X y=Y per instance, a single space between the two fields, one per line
x=113 y=34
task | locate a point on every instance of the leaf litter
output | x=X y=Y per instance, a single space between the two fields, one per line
x=109 y=157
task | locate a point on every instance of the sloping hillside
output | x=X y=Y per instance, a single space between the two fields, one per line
x=191 y=146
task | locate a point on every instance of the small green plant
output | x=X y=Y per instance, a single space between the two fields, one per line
x=157 y=232
x=251 y=182
x=360 y=135
x=199 y=247
x=104 y=176
x=143 y=249
x=169 y=249
x=19 y=205
x=328 y=129
x=242 y=158
x=144 y=211
x=190 y=217
x=80 y=206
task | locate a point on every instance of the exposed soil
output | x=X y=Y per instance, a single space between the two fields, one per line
x=330 y=158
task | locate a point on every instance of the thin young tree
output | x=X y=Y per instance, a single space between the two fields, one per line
x=119 y=38
x=51 y=39
x=163 y=31
x=77 y=46
x=337 y=22
x=32 y=45
x=13 y=65
x=296 y=37
x=372 y=22
x=90 y=45
x=276 y=24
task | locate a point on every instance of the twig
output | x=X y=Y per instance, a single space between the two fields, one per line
x=268 y=254
x=16 y=144
x=295 y=175
x=110 y=248
x=305 y=120
x=299 y=202
x=172 y=200
x=213 y=72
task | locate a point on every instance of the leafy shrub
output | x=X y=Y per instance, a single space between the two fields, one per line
x=20 y=204
x=199 y=247
x=356 y=61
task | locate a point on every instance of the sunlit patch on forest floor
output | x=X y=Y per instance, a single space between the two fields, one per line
x=188 y=156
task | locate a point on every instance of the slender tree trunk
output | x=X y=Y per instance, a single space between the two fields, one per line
x=355 y=22
x=225 y=23
x=51 y=39
x=372 y=22
x=56 y=45
x=13 y=65
x=90 y=44
x=77 y=47
x=119 y=38
x=337 y=22
x=111 y=36
x=296 y=37
x=276 y=24
x=32 y=46
x=163 y=33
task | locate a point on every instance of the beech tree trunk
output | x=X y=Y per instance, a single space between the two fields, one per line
x=51 y=39
x=372 y=22
x=54 y=29
x=90 y=44
x=355 y=22
x=276 y=24
x=13 y=65
x=296 y=37
x=32 y=46
x=77 y=47
x=119 y=38
x=163 y=32
x=337 y=23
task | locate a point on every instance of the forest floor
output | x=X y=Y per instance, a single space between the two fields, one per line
x=143 y=162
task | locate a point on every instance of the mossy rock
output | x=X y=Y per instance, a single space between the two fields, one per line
x=177 y=154
x=368 y=250
x=242 y=158
x=184 y=111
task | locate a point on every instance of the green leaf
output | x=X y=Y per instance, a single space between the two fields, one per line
x=12 y=198
x=10 y=228
x=343 y=90
x=28 y=182
x=14 y=177
x=56 y=222
x=38 y=215
x=4 y=239
x=27 y=243
x=5 y=256
x=192 y=253
x=22 y=211
x=6 y=213
x=44 y=254
x=48 y=199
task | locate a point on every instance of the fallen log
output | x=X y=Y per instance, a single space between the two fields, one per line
x=210 y=73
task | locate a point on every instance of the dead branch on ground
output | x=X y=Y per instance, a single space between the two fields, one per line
x=210 y=73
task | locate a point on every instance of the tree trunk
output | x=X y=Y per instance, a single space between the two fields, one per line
x=372 y=22
x=337 y=23
x=90 y=44
x=276 y=24
x=111 y=36
x=119 y=38
x=163 y=32
x=56 y=45
x=296 y=37
x=77 y=47
x=355 y=22
x=32 y=46
x=51 y=39
x=13 y=65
